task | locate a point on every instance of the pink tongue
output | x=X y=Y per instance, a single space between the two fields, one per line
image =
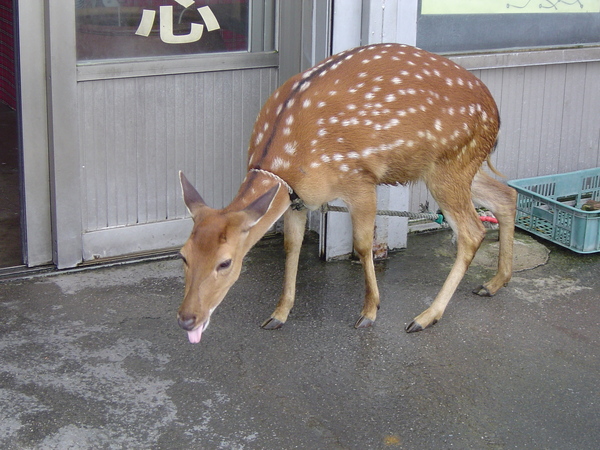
x=195 y=335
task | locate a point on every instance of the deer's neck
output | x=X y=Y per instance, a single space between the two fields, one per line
x=254 y=185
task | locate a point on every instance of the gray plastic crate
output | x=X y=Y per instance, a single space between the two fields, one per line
x=550 y=207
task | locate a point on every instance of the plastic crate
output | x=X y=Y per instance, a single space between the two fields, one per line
x=550 y=207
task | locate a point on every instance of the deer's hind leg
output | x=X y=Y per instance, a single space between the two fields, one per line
x=454 y=198
x=501 y=200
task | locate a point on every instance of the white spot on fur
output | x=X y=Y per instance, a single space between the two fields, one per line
x=338 y=157
x=333 y=119
x=259 y=138
x=362 y=75
x=344 y=167
x=322 y=132
x=390 y=98
x=353 y=155
x=396 y=80
x=287 y=131
x=392 y=123
x=279 y=163
x=306 y=103
x=438 y=124
x=325 y=158
x=314 y=165
x=290 y=148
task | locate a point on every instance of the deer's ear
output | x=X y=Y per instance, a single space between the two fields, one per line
x=191 y=198
x=260 y=206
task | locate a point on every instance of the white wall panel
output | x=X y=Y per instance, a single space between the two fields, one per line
x=137 y=133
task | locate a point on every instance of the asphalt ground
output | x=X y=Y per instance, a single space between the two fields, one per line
x=94 y=358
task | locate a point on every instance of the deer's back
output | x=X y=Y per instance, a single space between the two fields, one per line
x=383 y=113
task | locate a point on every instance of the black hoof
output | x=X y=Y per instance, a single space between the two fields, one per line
x=482 y=291
x=364 y=322
x=414 y=326
x=271 y=324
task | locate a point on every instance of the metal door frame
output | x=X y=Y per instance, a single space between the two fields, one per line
x=303 y=21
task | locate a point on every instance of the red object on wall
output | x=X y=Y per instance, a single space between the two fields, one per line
x=8 y=90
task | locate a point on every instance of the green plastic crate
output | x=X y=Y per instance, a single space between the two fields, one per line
x=550 y=207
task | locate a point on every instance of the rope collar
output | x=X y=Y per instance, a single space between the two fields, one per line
x=297 y=202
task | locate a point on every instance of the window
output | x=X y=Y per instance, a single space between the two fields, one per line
x=467 y=25
x=117 y=29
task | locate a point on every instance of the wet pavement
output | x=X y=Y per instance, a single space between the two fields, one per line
x=94 y=358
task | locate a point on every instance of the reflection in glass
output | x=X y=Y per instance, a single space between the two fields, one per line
x=113 y=29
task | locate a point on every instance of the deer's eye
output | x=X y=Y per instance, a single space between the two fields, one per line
x=224 y=265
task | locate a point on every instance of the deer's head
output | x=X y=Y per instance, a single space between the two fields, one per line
x=213 y=254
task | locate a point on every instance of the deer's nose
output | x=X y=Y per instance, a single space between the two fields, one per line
x=187 y=322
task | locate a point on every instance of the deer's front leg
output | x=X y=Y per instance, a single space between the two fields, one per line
x=293 y=228
x=363 y=207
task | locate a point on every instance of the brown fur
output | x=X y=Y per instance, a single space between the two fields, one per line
x=382 y=114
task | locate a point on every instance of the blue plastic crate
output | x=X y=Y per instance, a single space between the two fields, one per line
x=550 y=207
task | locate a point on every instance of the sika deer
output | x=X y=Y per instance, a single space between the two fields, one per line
x=381 y=114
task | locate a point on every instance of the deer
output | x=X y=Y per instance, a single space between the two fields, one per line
x=387 y=114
